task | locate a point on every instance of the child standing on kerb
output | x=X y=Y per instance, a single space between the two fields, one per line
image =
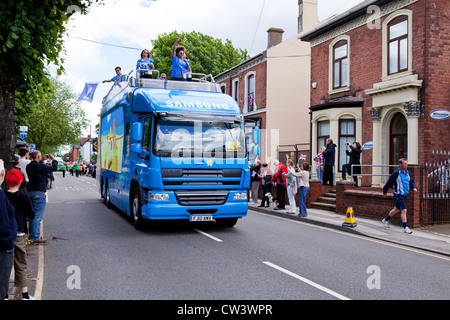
x=23 y=212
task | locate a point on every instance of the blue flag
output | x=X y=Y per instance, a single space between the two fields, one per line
x=88 y=92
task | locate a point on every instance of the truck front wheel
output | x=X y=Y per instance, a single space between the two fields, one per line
x=136 y=208
x=226 y=222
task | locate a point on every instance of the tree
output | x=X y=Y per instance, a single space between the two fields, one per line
x=206 y=54
x=57 y=119
x=30 y=39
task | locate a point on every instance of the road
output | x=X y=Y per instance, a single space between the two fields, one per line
x=96 y=253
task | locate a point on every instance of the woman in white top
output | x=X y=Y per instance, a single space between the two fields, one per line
x=303 y=188
x=291 y=185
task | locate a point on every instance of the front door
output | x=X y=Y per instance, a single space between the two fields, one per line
x=398 y=139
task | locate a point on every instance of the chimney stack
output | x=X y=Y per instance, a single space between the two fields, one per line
x=307 y=15
x=275 y=36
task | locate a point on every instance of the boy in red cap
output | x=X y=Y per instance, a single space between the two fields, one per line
x=24 y=210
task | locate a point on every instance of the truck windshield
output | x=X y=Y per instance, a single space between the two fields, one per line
x=187 y=138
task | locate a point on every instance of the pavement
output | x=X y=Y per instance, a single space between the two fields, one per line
x=433 y=239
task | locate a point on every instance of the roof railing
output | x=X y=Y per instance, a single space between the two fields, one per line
x=151 y=79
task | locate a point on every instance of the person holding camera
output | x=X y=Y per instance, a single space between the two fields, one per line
x=37 y=187
x=355 y=155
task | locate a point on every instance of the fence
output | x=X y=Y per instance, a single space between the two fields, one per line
x=435 y=188
x=383 y=172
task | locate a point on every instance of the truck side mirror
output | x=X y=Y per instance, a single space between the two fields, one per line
x=136 y=132
x=136 y=148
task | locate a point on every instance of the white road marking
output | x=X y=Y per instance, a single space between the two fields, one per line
x=40 y=273
x=208 y=235
x=311 y=283
x=383 y=242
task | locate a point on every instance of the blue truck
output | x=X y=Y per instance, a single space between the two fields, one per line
x=173 y=150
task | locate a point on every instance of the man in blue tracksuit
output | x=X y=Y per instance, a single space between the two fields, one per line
x=400 y=181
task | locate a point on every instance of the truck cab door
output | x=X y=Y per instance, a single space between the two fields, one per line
x=143 y=154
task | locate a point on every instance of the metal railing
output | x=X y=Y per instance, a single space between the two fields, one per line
x=200 y=82
x=352 y=174
x=435 y=188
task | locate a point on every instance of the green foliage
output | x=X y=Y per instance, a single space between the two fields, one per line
x=206 y=54
x=31 y=34
x=31 y=37
x=57 y=119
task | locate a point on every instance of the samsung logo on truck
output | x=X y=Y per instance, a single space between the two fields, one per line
x=198 y=105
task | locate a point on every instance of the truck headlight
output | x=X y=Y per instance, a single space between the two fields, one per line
x=240 y=196
x=159 y=196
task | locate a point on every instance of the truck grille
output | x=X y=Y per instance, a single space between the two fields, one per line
x=201 y=177
x=201 y=197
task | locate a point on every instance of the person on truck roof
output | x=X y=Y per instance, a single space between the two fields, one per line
x=146 y=63
x=187 y=71
x=117 y=77
x=178 y=63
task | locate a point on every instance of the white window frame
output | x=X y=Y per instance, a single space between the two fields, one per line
x=234 y=94
x=331 y=62
x=247 y=75
x=385 y=40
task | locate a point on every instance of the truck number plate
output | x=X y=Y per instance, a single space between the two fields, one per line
x=201 y=218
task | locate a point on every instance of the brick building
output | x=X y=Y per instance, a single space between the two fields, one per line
x=380 y=75
x=272 y=90
x=246 y=83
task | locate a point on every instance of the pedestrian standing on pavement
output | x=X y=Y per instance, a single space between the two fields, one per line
x=63 y=169
x=50 y=177
x=254 y=172
x=37 y=187
x=329 y=155
x=303 y=181
x=400 y=181
x=266 y=184
x=23 y=162
x=77 y=169
x=280 y=181
x=23 y=211
x=8 y=232
x=319 y=163
x=291 y=185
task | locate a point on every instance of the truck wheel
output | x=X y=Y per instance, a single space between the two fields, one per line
x=136 y=216
x=107 y=195
x=226 y=222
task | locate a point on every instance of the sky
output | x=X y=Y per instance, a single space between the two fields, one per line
x=134 y=23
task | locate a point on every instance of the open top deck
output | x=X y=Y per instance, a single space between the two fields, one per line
x=200 y=82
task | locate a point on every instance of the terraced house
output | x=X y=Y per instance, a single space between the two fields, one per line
x=380 y=76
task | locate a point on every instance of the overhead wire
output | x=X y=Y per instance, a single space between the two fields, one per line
x=257 y=26
x=106 y=44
